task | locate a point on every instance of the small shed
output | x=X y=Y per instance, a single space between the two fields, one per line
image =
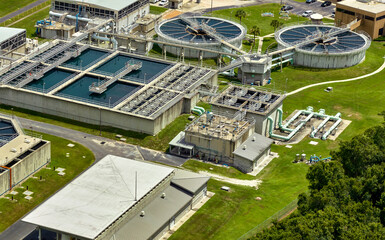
x=251 y=152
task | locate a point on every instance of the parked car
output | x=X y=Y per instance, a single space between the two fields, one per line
x=163 y=3
x=287 y=8
x=326 y=3
x=311 y=1
x=307 y=13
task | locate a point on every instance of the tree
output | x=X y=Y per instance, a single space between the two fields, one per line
x=240 y=14
x=255 y=31
x=276 y=24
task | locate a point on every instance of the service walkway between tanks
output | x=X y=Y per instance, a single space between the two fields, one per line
x=338 y=81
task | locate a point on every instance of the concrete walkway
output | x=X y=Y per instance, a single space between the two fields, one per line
x=338 y=81
x=21 y=10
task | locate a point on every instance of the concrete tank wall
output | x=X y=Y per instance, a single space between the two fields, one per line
x=87 y=113
x=31 y=163
x=317 y=60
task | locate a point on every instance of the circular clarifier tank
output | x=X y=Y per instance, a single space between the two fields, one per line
x=202 y=32
x=333 y=47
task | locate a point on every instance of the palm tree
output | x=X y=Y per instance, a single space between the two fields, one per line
x=240 y=14
x=276 y=24
x=255 y=31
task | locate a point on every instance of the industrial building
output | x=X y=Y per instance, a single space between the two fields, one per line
x=370 y=16
x=225 y=139
x=103 y=87
x=12 y=44
x=335 y=47
x=258 y=105
x=80 y=13
x=20 y=154
x=122 y=199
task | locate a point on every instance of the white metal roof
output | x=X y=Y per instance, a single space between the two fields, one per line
x=7 y=33
x=94 y=200
x=106 y=4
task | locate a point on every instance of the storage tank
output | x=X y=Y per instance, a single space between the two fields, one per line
x=333 y=48
x=202 y=32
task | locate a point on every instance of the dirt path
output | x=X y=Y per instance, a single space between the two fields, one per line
x=251 y=183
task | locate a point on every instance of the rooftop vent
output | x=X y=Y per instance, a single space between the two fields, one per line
x=13 y=150
x=163 y=195
x=142 y=213
x=253 y=139
x=244 y=147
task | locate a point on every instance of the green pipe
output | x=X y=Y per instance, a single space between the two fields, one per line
x=200 y=108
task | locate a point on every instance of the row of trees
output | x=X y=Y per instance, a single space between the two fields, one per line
x=347 y=195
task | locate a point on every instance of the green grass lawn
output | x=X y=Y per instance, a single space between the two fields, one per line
x=157 y=142
x=80 y=159
x=29 y=22
x=8 y=7
x=300 y=76
x=157 y=10
x=254 y=17
x=282 y=181
x=230 y=172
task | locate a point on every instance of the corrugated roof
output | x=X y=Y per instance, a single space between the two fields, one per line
x=157 y=213
x=255 y=145
x=6 y=33
x=95 y=199
x=189 y=181
x=106 y=4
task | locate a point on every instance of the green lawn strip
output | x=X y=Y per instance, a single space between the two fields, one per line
x=157 y=10
x=157 y=142
x=74 y=165
x=8 y=7
x=254 y=18
x=230 y=172
x=269 y=42
x=29 y=22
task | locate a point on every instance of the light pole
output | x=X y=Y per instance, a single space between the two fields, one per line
x=109 y=102
x=211 y=7
x=43 y=87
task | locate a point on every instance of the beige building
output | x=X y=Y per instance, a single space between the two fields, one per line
x=20 y=155
x=370 y=16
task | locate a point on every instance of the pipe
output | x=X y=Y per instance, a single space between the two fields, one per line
x=196 y=111
x=331 y=129
x=201 y=108
x=293 y=132
x=313 y=133
x=114 y=42
x=69 y=16
x=77 y=19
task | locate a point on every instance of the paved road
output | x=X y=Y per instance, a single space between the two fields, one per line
x=21 y=10
x=20 y=229
x=382 y=67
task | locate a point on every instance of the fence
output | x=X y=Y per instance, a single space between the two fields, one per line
x=268 y=222
x=33 y=10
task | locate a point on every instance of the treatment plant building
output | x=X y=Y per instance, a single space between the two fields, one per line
x=121 y=199
x=20 y=155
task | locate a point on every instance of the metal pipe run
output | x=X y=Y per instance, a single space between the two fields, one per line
x=113 y=40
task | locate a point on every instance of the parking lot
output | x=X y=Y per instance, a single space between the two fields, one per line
x=299 y=8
